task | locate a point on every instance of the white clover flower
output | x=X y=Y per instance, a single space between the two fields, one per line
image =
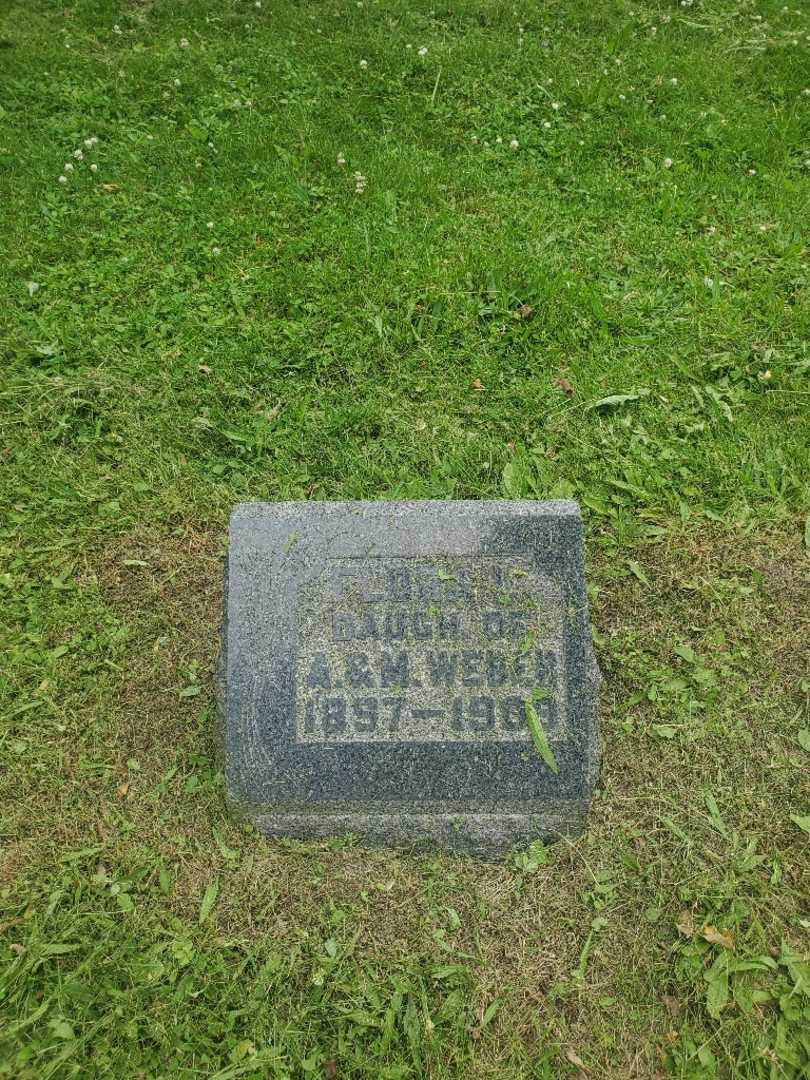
x=78 y=154
x=258 y=3
x=210 y=225
x=422 y=50
x=667 y=162
x=359 y=183
x=176 y=82
x=216 y=251
x=752 y=172
x=498 y=140
x=341 y=160
x=673 y=82
x=364 y=64
x=546 y=123
x=117 y=29
x=63 y=179
x=514 y=145
x=622 y=97
x=183 y=42
x=409 y=46
x=555 y=105
x=94 y=167
x=67 y=167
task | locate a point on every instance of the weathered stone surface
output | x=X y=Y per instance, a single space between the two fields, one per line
x=377 y=659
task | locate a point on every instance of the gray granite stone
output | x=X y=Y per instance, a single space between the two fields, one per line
x=376 y=663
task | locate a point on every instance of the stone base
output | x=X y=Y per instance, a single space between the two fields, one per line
x=473 y=831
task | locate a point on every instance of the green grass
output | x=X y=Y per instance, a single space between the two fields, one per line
x=615 y=310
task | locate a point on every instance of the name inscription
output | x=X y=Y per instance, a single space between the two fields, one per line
x=429 y=649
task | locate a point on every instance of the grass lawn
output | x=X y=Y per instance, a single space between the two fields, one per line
x=384 y=250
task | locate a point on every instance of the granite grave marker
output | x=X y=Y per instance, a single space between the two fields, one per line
x=377 y=663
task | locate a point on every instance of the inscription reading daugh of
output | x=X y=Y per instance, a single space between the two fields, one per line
x=429 y=649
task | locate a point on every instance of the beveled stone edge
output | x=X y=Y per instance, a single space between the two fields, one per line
x=556 y=508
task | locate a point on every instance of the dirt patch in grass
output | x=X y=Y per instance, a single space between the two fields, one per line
x=177 y=574
x=168 y=590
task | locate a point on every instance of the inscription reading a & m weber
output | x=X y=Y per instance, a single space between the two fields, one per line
x=429 y=649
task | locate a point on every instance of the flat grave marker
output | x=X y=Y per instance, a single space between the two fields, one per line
x=409 y=672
